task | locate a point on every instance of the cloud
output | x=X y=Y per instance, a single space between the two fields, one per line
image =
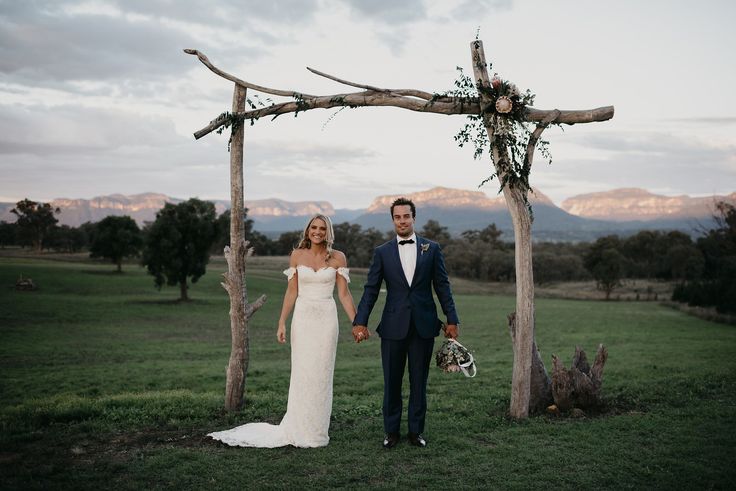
x=47 y=132
x=726 y=120
x=52 y=44
x=661 y=147
x=389 y=19
x=388 y=11
x=659 y=162
x=93 y=93
x=476 y=9
x=44 y=49
x=79 y=152
x=307 y=160
x=177 y=169
x=232 y=13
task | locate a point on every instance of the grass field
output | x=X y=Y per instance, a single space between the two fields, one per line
x=109 y=383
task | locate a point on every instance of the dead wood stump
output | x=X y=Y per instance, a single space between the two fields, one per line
x=25 y=284
x=580 y=386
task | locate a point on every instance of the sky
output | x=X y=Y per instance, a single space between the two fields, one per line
x=97 y=97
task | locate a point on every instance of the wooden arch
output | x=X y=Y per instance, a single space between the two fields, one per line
x=530 y=383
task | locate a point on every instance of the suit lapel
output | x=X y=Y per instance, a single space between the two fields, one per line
x=416 y=265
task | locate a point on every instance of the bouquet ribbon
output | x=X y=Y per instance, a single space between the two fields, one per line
x=468 y=366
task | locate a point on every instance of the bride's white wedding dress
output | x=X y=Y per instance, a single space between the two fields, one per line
x=313 y=345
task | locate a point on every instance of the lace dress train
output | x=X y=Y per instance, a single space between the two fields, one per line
x=314 y=330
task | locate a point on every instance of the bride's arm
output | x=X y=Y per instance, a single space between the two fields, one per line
x=292 y=290
x=343 y=292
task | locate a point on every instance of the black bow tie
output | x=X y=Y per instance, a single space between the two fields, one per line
x=407 y=241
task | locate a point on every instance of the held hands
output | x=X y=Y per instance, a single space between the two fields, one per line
x=360 y=333
x=451 y=331
x=281 y=333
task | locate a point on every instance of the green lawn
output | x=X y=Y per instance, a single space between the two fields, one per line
x=109 y=383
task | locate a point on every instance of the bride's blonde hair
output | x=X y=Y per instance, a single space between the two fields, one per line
x=306 y=243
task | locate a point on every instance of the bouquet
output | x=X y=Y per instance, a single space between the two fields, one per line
x=454 y=357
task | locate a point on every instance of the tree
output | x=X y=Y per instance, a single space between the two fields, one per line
x=261 y=245
x=605 y=263
x=436 y=232
x=286 y=242
x=222 y=231
x=371 y=238
x=35 y=220
x=88 y=229
x=491 y=236
x=684 y=262
x=177 y=244
x=717 y=286
x=480 y=254
x=607 y=271
x=65 y=238
x=7 y=234
x=648 y=254
x=356 y=243
x=549 y=267
x=641 y=252
x=499 y=265
x=115 y=238
x=348 y=239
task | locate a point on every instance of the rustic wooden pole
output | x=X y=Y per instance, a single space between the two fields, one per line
x=235 y=255
x=516 y=203
x=540 y=384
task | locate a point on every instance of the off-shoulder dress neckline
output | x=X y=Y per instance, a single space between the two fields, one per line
x=314 y=270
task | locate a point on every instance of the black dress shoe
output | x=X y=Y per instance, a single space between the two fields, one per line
x=417 y=440
x=390 y=440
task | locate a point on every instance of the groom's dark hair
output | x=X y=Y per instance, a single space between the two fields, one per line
x=404 y=201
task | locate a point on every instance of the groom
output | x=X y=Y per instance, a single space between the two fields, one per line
x=410 y=265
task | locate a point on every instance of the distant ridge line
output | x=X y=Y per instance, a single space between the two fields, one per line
x=624 y=210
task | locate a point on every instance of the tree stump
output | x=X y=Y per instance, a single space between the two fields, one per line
x=540 y=386
x=580 y=386
x=25 y=284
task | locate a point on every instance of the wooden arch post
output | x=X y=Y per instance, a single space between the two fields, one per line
x=235 y=255
x=522 y=321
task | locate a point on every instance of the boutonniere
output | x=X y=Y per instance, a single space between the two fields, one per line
x=425 y=248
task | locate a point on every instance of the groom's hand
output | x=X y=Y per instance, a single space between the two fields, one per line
x=360 y=333
x=452 y=331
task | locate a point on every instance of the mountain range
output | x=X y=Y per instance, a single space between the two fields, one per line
x=582 y=217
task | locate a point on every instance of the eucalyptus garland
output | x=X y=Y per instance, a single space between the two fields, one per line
x=233 y=121
x=505 y=114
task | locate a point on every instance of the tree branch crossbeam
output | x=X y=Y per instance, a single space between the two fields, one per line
x=411 y=99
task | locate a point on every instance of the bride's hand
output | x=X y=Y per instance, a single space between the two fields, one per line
x=281 y=333
x=360 y=333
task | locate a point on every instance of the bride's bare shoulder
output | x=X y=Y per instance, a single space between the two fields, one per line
x=339 y=258
x=295 y=256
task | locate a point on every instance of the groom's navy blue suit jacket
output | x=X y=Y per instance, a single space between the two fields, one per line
x=405 y=302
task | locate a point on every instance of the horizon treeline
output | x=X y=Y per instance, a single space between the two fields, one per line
x=705 y=264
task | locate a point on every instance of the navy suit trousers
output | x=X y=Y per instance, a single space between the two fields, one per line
x=394 y=354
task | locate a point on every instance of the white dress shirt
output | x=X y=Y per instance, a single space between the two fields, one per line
x=408 y=256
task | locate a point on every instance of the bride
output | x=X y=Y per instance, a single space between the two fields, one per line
x=314 y=269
